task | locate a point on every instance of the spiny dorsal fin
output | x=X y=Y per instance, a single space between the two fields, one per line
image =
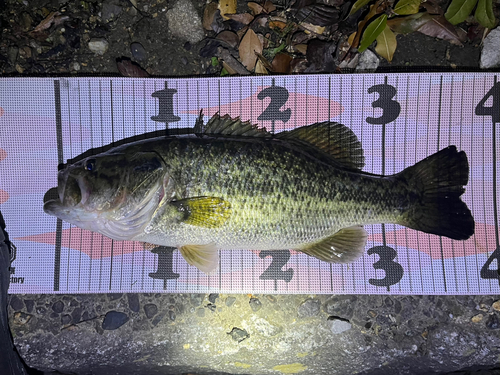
x=335 y=139
x=345 y=246
x=226 y=125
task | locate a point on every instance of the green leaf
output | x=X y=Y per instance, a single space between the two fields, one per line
x=215 y=61
x=224 y=72
x=484 y=14
x=386 y=44
x=358 y=5
x=404 y=7
x=459 y=10
x=372 y=31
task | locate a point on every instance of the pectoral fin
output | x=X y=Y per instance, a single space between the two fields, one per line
x=209 y=212
x=203 y=257
x=345 y=246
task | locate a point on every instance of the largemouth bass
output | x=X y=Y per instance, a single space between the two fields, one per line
x=232 y=185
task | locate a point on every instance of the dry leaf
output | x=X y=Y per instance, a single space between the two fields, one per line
x=281 y=63
x=250 y=44
x=300 y=48
x=312 y=28
x=128 y=68
x=46 y=23
x=244 y=18
x=229 y=37
x=227 y=7
x=277 y=25
x=318 y=14
x=227 y=58
x=350 y=40
x=269 y=7
x=209 y=14
x=439 y=27
x=262 y=21
x=229 y=68
x=386 y=44
x=255 y=8
x=260 y=68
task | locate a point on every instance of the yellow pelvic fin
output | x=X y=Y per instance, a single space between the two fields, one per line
x=209 y=212
x=345 y=246
x=203 y=257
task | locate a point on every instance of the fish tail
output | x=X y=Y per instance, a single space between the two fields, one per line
x=436 y=184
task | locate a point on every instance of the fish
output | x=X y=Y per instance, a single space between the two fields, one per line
x=230 y=185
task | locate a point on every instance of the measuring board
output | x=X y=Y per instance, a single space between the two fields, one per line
x=399 y=119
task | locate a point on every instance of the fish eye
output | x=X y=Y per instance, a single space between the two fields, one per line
x=90 y=165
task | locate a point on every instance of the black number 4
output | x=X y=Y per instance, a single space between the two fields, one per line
x=494 y=110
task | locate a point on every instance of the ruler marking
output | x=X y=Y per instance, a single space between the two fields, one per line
x=438 y=139
x=57 y=255
x=71 y=154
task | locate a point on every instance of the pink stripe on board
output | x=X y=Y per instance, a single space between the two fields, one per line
x=3 y=154
x=4 y=196
x=481 y=242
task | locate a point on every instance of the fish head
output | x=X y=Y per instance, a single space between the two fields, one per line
x=114 y=193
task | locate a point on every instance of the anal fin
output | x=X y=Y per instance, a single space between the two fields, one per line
x=203 y=257
x=345 y=246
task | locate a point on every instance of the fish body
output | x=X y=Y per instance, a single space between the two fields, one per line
x=233 y=186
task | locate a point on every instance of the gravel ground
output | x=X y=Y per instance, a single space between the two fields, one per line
x=209 y=334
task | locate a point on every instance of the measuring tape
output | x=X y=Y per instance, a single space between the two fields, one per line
x=399 y=119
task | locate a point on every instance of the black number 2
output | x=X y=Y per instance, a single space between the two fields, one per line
x=279 y=96
x=274 y=271
x=393 y=270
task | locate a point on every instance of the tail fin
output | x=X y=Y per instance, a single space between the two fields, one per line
x=437 y=182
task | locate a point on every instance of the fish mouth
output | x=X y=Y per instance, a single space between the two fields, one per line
x=71 y=190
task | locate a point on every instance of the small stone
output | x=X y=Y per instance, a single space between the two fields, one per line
x=110 y=11
x=114 y=320
x=212 y=307
x=184 y=22
x=372 y=313
x=76 y=315
x=230 y=301
x=338 y=326
x=255 y=304
x=490 y=55
x=19 y=68
x=21 y=318
x=150 y=310
x=157 y=319
x=26 y=21
x=171 y=315
x=114 y=296
x=12 y=54
x=54 y=315
x=368 y=62
x=309 y=308
x=58 y=307
x=477 y=318
x=200 y=312
x=493 y=322
x=196 y=299
x=496 y=305
x=75 y=66
x=16 y=303
x=41 y=310
x=184 y=60
x=238 y=334
x=29 y=305
x=213 y=297
x=25 y=52
x=99 y=46
x=138 y=51
x=133 y=302
x=65 y=319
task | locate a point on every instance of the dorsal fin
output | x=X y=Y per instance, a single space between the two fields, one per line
x=335 y=139
x=226 y=125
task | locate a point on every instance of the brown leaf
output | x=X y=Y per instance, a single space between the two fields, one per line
x=409 y=24
x=127 y=68
x=229 y=37
x=260 y=68
x=277 y=25
x=255 y=8
x=262 y=21
x=439 y=27
x=269 y=7
x=298 y=65
x=432 y=7
x=264 y=61
x=227 y=7
x=209 y=14
x=226 y=56
x=300 y=48
x=229 y=68
x=250 y=44
x=46 y=23
x=244 y=18
x=281 y=63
